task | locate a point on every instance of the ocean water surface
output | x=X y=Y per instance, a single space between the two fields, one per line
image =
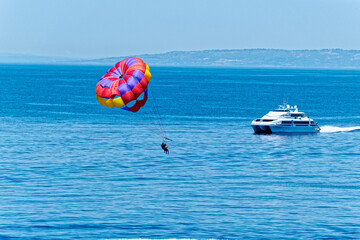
x=72 y=169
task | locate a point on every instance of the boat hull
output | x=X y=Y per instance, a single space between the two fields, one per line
x=274 y=128
x=261 y=129
x=294 y=129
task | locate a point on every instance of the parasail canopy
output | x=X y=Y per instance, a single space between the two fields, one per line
x=125 y=85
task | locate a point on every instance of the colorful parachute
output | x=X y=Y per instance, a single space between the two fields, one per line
x=124 y=84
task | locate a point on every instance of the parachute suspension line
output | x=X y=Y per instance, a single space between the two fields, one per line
x=152 y=130
x=137 y=122
x=150 y=117
x=150 y=114
x=147 y=112
x=156 y=112
x=148 y=120
x=159 y=115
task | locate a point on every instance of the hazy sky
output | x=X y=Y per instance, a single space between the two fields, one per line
x=89 y=28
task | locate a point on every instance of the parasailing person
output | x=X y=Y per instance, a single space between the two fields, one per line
x=126 y=86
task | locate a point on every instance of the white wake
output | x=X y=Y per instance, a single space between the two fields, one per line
x=333 y=129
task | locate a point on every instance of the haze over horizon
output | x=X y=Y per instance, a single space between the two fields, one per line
x=83 y=29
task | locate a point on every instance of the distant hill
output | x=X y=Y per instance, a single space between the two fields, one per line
x=325 y=58
x=278 y=58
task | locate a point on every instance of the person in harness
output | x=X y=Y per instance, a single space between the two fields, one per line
x=165 y=148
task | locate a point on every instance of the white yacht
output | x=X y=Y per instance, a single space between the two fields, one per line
x=285 y=119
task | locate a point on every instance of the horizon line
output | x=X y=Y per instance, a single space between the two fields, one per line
x=173 y=51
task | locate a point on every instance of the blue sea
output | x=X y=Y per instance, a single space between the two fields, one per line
x=72 y=169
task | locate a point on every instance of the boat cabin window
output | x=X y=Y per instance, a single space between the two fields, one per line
x=301 y=123
x=297 y=123
x=268 y=120
x=257 y=120
x=297 y=115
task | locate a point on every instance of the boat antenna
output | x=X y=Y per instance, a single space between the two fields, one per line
x=285 y=101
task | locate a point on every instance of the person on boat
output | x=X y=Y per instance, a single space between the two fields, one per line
x=165 y=148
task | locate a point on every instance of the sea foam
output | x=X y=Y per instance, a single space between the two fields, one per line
x=333 y=129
